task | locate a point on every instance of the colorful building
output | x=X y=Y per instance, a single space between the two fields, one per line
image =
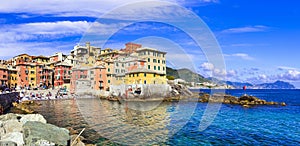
x=156 y=60
x=12 y=76
x=131 y=47
x=3 y=76
x=62 y=75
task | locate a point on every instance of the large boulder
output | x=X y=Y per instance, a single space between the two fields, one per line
x=13 y=137
x=33 y=117
x=35 y=132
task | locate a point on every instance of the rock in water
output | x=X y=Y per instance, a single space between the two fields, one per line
x=35 y=132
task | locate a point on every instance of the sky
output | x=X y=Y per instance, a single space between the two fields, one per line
x=258 y=40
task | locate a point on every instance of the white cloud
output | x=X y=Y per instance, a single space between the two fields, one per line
x=31 y=31
x=239 y=55
x=206 y=66
x=256 y=28
x=9 y=50
x=285 y=68
x=91 y=8
x=210 y=70
x=291 y=75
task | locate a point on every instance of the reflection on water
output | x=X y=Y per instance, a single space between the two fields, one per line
x=111 y=122
x=64 y=113
x=177 y=123
x=122 y=124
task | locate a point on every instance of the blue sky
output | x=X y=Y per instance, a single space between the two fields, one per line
x=258 y=39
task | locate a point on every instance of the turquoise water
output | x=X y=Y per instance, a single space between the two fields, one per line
x=177 y=123
x=235 y=125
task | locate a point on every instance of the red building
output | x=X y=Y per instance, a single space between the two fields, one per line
x=3 y=75
x=131 y=47
x=62 y=74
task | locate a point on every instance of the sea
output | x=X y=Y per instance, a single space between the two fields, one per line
x=182 y=122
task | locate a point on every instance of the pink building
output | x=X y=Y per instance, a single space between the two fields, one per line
x=88 y=78
x=100 y=78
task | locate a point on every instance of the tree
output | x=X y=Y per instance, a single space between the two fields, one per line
x=170 y=77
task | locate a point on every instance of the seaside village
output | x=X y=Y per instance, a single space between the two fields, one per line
x=134 y=70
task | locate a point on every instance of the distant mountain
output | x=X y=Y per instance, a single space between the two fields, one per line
x=275 y=85
x=238 y=85
x=186 y=75
x=190 y=76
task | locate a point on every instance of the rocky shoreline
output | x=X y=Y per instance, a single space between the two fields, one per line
x=182 y=93
x=33 y=129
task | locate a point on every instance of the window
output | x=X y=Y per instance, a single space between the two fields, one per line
x=145 y=82
x=108 y=81
x=148 y=66
x=158 y=61
x=108 y=69
x=154 y=60
x=26 y=78
x=148 y=59
x=158 y=67
x=154 y=67
x=100 y=76
x=92 y=72
x=163 y=68
x=132 y=75
x=145 y=74
x=32 y=79
x=92 y=78
x=154 y=75
x=31 y=72
x=137 y=75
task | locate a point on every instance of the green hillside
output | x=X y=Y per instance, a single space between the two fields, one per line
x=185 y=74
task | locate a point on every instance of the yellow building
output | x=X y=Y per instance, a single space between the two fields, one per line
x=108 y=53
x=32 y=74
x=144 y=76
x=41 y=59
x=12 y=76
x=110 y=73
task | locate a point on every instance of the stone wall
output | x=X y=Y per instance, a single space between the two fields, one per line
x=147 y=90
